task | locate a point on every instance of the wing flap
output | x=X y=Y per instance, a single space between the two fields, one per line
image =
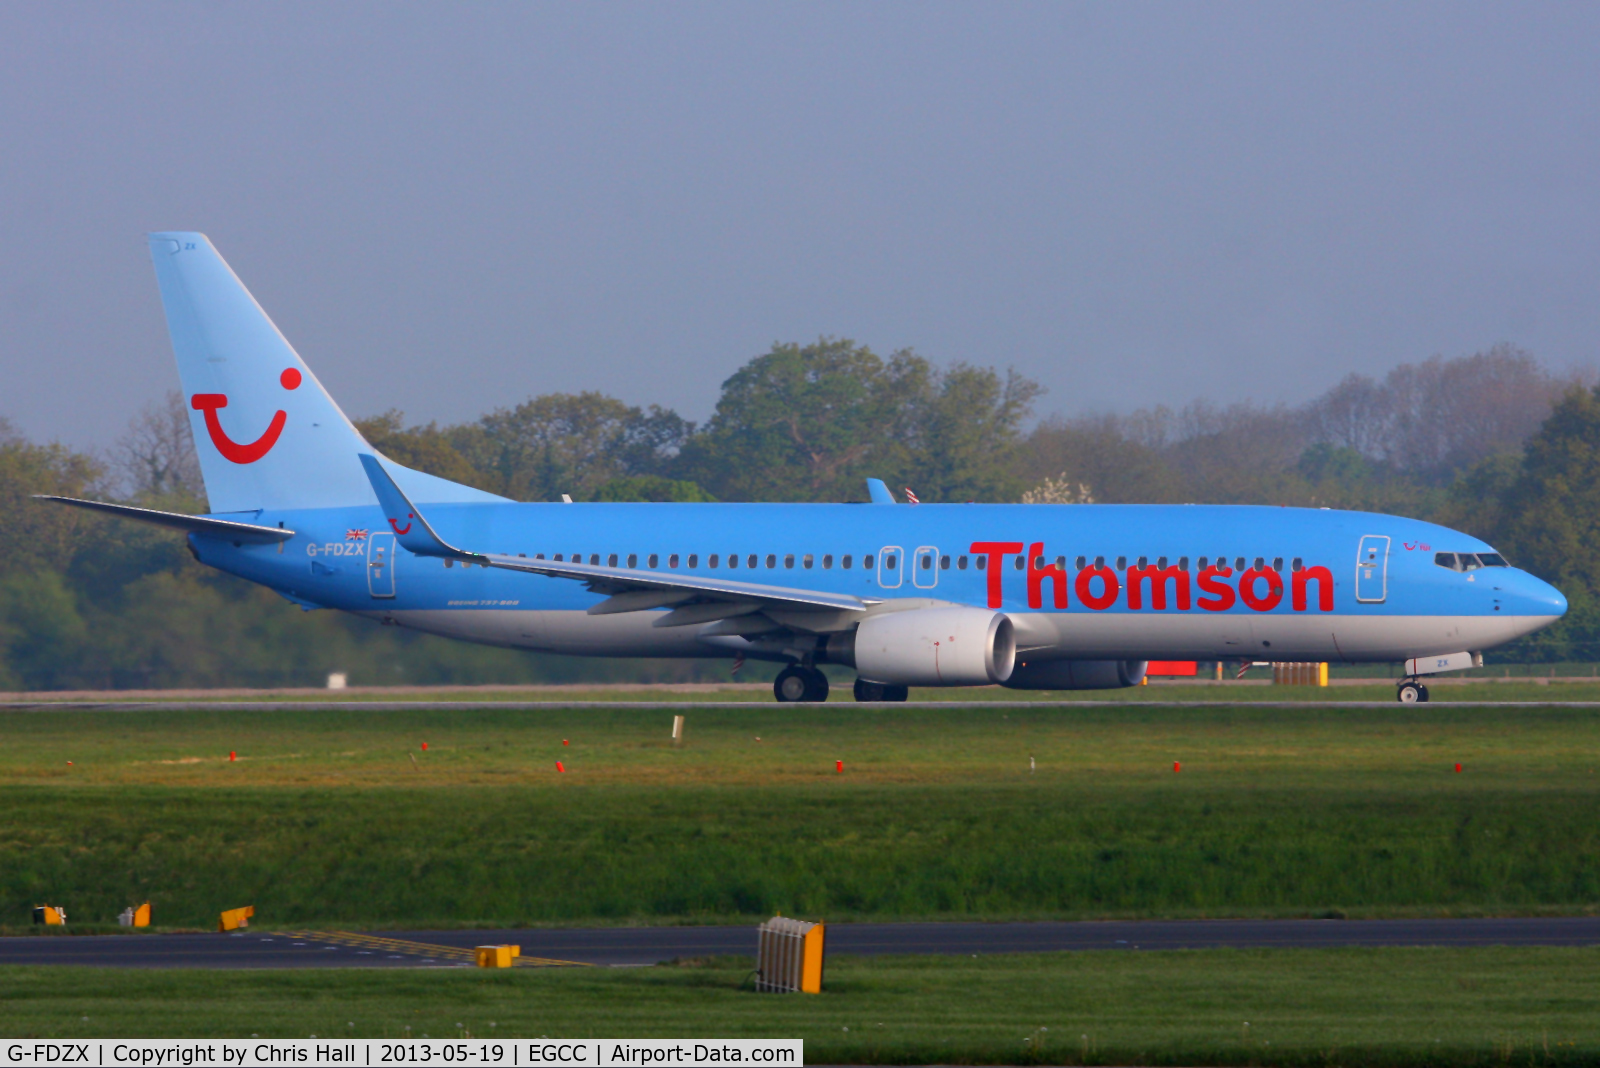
x=195 y=524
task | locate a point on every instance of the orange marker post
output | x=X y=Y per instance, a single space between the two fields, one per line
x=232 y=756
x=838 y=766
x=1458 y=769
x=561 y=767
x=424 y=747
x=565 y=742
x=1176 y=767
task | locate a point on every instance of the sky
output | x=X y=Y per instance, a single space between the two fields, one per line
x=448 y=208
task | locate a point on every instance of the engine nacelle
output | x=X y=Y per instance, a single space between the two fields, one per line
x=932 y=647
x=1076 y=675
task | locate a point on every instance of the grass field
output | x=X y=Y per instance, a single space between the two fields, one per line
x=340 y=818
x=1284 y=1007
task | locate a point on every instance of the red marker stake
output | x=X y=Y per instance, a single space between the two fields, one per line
x=1458 y=769
x=560 y=767
x=1176 y=767
x=232 y=756
x=424 y=747
x=838 y=766
x=565 y=742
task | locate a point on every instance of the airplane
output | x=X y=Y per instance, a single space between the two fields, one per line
x=1026 y=596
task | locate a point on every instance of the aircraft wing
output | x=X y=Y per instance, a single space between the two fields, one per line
x=198 y=524
x=693 y=598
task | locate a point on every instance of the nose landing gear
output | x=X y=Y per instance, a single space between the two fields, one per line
x=1411 y=692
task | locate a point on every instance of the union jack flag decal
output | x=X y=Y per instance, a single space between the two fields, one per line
x=355 y=534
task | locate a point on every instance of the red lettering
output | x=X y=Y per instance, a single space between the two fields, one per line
x=1158 y=577
x=1324 y=579
x=1222 y=597
x=995 y=551
x=1247 y=588
x=1036 y=576
x=1108 y=591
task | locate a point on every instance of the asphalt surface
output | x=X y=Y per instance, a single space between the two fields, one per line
x=633 y=946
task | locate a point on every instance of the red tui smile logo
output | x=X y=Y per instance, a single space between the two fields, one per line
x=249 y=452
x=398 y=529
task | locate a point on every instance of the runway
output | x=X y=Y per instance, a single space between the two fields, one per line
x=636 y=946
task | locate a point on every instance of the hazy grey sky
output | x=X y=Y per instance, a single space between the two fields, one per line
x=449 y=207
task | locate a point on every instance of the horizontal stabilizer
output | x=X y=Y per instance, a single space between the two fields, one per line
x=197 y=524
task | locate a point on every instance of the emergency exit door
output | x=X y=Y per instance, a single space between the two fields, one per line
x=1372 y=569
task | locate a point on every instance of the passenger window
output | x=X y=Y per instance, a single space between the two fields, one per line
x=594 y=559
x=983 y=562
x=827 y=561
x=1203 y=563
x=944 y=563
x=655 y=560
x=1122 y=563
x=750 y=561
x=889 y=561
x=1061 y=562
x=694 y=559
x=845 y=563
x=538 y=556
x=611 y=561
x=1183 y=563
x=1238 y=563
x=633 y=559
x=672 y=561
x=1144 y=561
x=1080 y=562
x=1297 y=564
x=1277 y=563
x=806 y=561
x=866 y=562
x=1020 y=563
x=927 y=562
x=559 y=558
x=1261 y=565
x=788 y=561
x=1099 y=561
x=1038 y=563
x=713 y=560
x=772 y=561
x=961 y=563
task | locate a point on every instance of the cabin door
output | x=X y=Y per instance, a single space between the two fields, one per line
x=380 y=564
x=890 y=558
x=1372 y=569
x=925 y=567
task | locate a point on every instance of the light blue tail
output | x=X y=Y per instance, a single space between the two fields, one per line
x=267 y=433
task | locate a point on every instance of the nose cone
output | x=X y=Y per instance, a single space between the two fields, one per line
x=1530 y=596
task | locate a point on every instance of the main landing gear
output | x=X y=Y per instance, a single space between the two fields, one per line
x=799 y=683
x=879 y=691
x=1411 y=692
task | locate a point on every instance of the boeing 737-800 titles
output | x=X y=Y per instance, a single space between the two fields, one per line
x=1027 y=596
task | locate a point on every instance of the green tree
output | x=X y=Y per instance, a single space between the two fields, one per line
x=961 y=434
x=651 y=488
x=421 y=448
x=568 y=443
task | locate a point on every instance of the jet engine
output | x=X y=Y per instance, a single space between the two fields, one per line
x=1076 y=675
x=930 y=647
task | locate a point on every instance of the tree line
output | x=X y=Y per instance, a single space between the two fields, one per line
x=1495 y=444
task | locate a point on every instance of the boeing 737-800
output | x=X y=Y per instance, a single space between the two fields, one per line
x=1027 y=596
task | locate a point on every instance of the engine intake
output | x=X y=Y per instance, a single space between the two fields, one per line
x=930 y=647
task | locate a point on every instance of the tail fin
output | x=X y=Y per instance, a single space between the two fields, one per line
x=267 y=433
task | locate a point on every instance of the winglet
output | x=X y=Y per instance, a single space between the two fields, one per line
x=413 y=531
x=879 y=492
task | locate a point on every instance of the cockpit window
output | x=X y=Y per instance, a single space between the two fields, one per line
x=1469 y=561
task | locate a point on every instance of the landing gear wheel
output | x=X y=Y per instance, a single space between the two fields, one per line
x=1411 y=693
x=869 y=691
x=1424 y=690
x=896 y=693
x=795 y=683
